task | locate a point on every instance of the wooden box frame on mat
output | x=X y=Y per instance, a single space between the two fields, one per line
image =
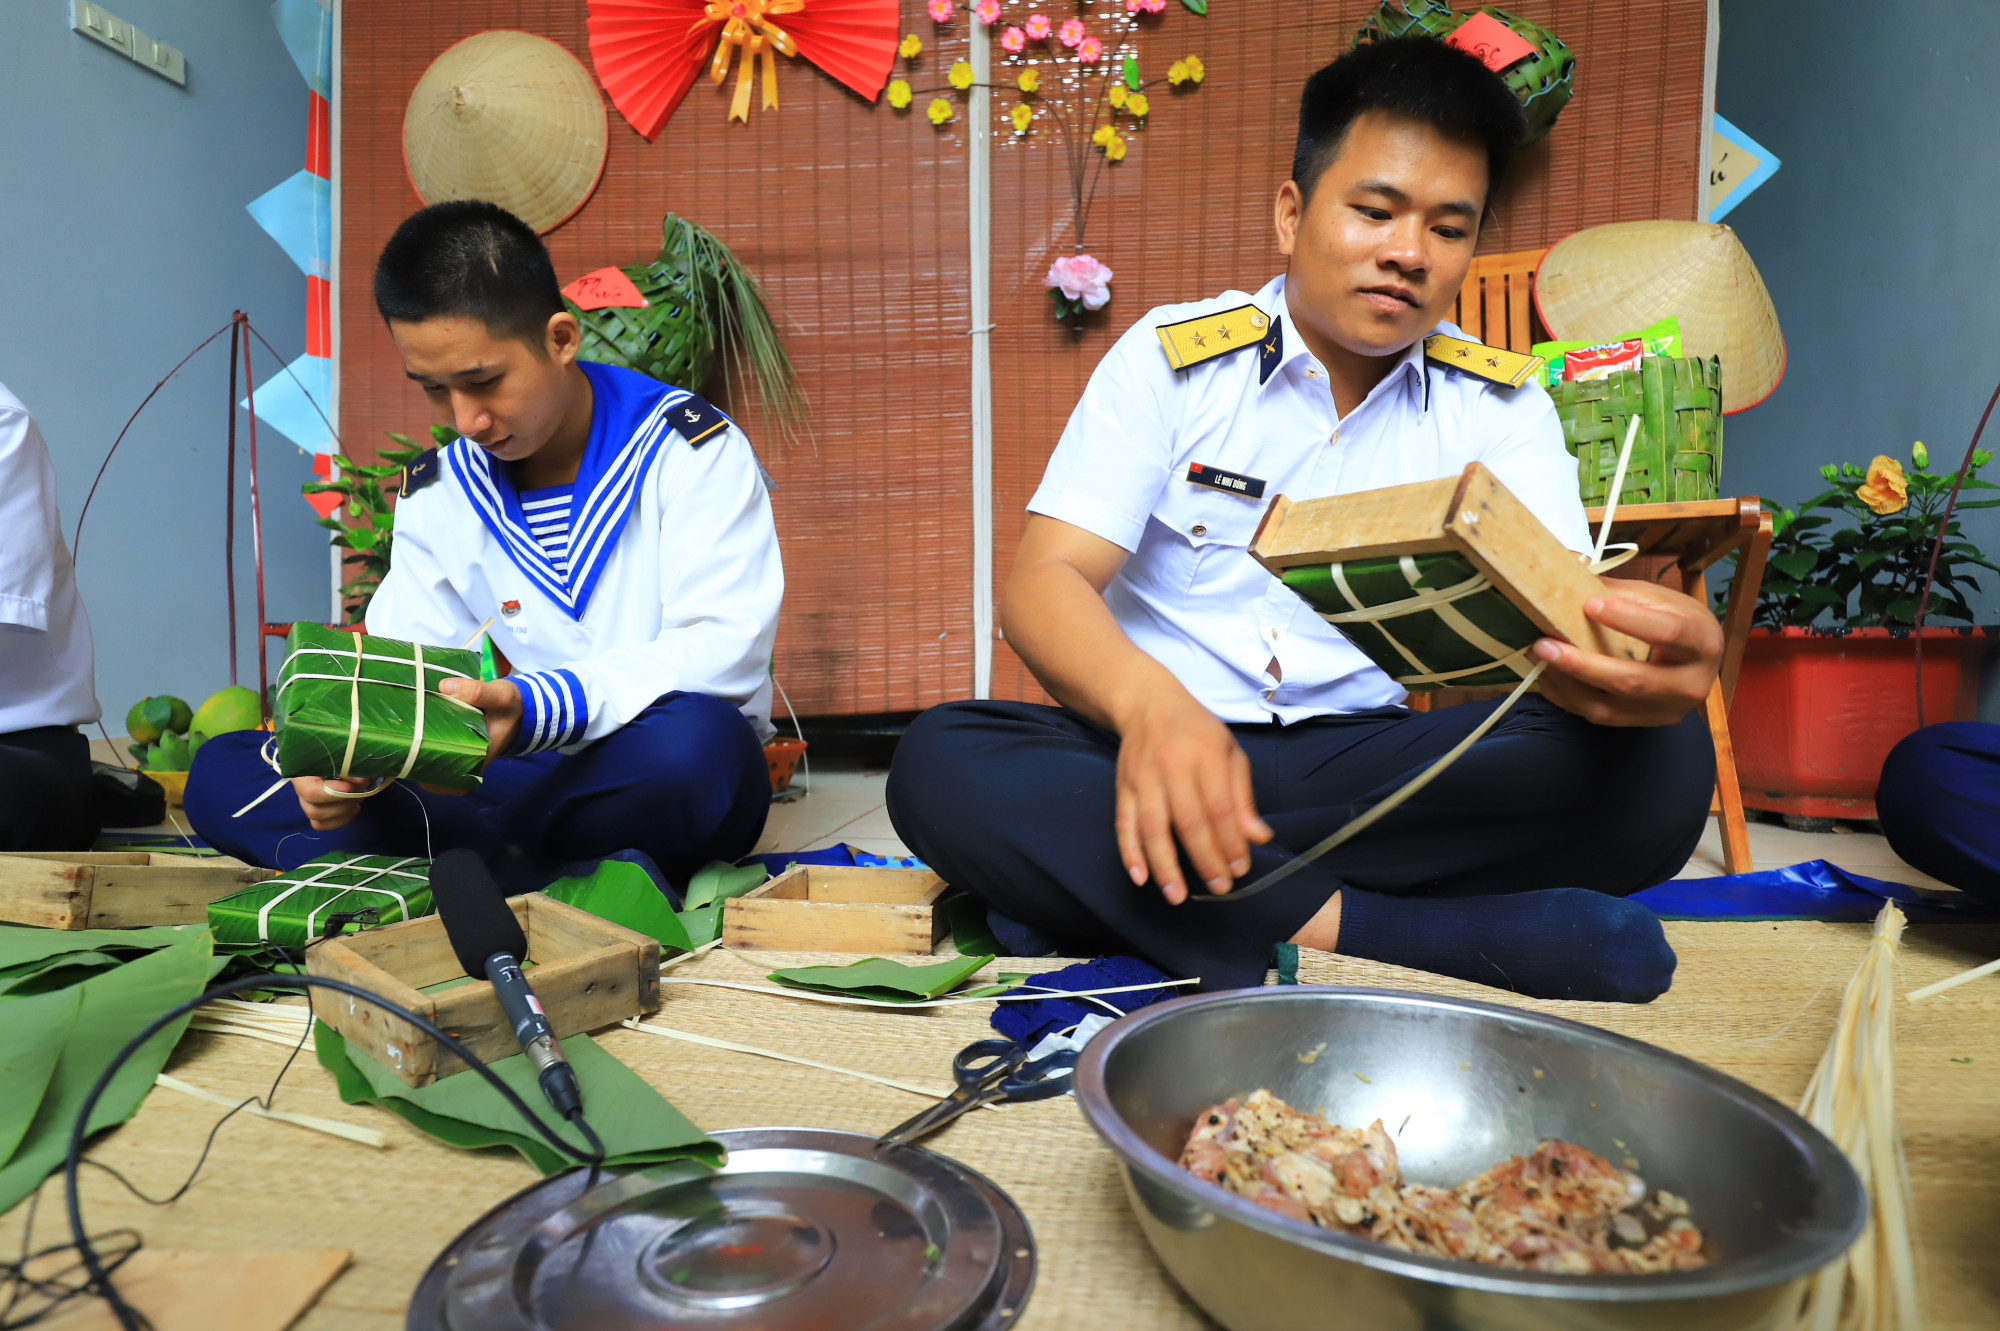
x=835 y=908
x=1471 y=514
x=116 y=889
x=588 y=973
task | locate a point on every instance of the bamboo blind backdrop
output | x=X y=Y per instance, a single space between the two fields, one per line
x=854 y=218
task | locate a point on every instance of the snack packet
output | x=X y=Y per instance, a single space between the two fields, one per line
x=1608 y=356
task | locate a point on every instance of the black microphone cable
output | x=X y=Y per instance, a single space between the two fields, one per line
x=99 y=1274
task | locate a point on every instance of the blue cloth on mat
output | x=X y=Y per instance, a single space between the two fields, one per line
x=840 y=853
x=1029 y=1022
x=1815 y=890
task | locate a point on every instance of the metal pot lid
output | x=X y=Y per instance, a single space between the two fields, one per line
x=802 y=1228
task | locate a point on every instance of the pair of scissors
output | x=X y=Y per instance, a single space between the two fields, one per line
x=986 y=1071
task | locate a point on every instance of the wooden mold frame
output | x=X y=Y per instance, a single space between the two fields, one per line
x=834 y=908
x=588 y=973
x=116 y=889
x=1472 y=514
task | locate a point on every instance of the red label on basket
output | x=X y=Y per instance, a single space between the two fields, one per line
x=606 y=288
x=1496 y=44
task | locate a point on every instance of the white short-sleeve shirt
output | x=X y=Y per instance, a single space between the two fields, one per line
x=1190 y=595
x=46 y=663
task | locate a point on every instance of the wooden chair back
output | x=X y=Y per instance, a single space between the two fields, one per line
x=1496 y=303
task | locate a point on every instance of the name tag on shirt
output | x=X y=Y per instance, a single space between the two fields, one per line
x=1227 y=482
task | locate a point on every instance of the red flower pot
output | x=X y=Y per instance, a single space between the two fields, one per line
x=1816 y=711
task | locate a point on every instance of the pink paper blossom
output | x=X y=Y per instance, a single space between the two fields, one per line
x=1081 y=277
x=1038 y=27
x=1013 y=40
x=1089 y=50
x=941 y=10
x=989 y=10
x=1148 y=6
x=1072 y=32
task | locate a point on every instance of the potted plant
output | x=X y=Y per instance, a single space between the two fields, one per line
x=1828 y=683
x=369 y=529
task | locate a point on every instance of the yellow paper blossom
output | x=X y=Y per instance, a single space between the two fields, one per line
x=939 y=111
x=1137 y=104
x=899 y=94
x=1101 y=135
x=1177 y=73
x=1029 y=81
x=961 y=74
x=1022 y=114
x=1194 y=68
x=1116 y=96
x=912 y=46
x=1886 y=490
x=1115 y=149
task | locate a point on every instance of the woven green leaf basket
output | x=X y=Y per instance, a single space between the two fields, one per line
x=1465 y=641
x=1543 y=81
x=1678 y=455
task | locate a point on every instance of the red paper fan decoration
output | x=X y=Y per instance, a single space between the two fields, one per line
x=648 y=53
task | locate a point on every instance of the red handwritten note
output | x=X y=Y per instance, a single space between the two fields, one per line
x=604 y=289
x=1496 y=44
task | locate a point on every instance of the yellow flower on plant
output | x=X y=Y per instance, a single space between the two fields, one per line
x=1115 y=149
x=912 y=46
x=899 y=94
x=1116 y=96
x=961 y=74
x=1195 y=68
x=1177 y=73
x=1029 y=81
x=1022 y=114
x=1101 y=135
x=1886 y=490
x=939 y=111
x=1137 y=104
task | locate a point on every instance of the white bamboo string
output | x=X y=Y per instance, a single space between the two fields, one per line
x=351 y=1132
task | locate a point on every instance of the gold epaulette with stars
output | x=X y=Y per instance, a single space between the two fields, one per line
x=1512 y=368
x=1207 y=336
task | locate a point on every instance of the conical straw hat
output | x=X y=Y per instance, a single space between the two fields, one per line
x=511 y=118
x=1610 y=280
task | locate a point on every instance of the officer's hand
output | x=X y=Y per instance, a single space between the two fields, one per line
x=500 y=701
x=1182 y=774
x=1686 y=656
x=323 y=811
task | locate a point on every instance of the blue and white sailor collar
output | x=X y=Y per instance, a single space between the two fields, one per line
x=630 y=418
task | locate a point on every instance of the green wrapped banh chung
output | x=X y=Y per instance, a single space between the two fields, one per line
x=292 y=909
x=353 y=705
x=1466 y=641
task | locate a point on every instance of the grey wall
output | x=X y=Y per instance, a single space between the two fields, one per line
x=1876 y=236
x=123 y=242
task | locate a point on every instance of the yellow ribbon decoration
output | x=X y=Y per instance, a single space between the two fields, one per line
x=745 y=25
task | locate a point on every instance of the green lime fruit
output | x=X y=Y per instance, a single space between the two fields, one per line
x=233 y=708
x=139 y=726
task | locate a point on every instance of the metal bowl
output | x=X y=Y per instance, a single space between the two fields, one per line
x=1461 y=1086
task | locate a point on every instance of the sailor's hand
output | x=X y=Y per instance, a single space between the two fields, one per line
x=499 y=700
x=1686 y=656
x=1182 y=775
x=324 y=811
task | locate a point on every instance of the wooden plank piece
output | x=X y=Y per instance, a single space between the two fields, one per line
x=1398 y=520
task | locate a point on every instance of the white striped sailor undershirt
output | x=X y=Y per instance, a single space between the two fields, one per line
x=547 y=511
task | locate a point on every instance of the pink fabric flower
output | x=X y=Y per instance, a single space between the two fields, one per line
x=1089 y=50
x=1148 y=6
x=941 y=11
x=1072 y=31
x=1038 y=27
x=1081 y=277
x=987 y=11
x=1013 y=40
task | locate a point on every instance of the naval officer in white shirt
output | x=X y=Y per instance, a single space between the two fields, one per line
x=46 y=667
x=1211 y=725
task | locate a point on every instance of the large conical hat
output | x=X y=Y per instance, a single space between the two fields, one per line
x=511 y=118
x=1613 y=279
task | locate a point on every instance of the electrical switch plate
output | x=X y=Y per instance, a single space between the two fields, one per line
x=107 y=29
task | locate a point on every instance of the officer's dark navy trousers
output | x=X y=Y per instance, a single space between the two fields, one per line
x=1014 y=802
x=686 y=782
x=1939 y=802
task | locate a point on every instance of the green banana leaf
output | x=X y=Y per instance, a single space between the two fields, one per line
x=719 y=881
x=637 y=1124
x=33 y=1032
x=315 y=716
x=111 y=1008
x=703 y=925
x=20 y=944
x=58 y=972
x=880 y=978
x=625 y=894
x=970 y=933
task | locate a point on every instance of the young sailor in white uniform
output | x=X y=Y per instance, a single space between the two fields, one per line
x=46 y=666
x=1211 y=724
x=618 y=534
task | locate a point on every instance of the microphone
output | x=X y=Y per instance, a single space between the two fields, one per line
x=488 y=941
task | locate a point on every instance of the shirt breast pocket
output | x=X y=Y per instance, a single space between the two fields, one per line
x=1208 y=534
